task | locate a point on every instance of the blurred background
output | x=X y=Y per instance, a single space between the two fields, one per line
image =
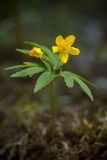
x=41 y=21
x=25 y=116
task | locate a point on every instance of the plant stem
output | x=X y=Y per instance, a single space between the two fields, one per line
x=53 y=110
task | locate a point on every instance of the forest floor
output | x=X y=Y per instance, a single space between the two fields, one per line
x=25 y=133
x=81 y=127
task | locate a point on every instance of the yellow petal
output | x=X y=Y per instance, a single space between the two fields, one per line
x=36 y=52
x=70 y=40
x=55 y=49
x=74 y=51
x=59 y=40
x=64 y=57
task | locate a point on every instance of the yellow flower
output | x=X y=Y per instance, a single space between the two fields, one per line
x=63 y=46
x=36 y=52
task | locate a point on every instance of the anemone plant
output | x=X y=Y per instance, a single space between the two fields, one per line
x=50 y=67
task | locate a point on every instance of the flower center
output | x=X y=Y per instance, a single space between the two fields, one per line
x=62 y=49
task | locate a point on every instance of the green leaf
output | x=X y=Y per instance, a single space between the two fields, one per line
x=60 y=64
x=32 y=43
x=47 y=65
x=52 y=56
x=85 y=80
x=30 y=63
x=25 y=65
x=84 y=87
x=25 y=51
x=16 y=67
x=28 y=72
x=43 y=80
x=68 y=78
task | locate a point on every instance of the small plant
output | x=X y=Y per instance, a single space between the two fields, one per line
x=50 y=67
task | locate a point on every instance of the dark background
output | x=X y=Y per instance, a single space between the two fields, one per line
x=41 y=21
x=25 y=117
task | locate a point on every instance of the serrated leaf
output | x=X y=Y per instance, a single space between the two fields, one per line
x=16 y=67
x=68 y=78
x=28 y=72
x=43 y=80
x=25 y=51
x=84 y=87
x=85 y=80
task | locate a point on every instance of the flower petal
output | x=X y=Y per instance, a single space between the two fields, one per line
x=70 y=40
x=74 y=51
x=59 y=40
x=64 y=57
x=36 y=52
x=55 y=49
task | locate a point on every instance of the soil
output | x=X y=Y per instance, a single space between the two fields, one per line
x=81 y=133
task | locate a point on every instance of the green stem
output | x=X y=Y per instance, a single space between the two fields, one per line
x=53 y=111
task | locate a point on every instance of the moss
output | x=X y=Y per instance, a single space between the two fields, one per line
x=25 y=133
